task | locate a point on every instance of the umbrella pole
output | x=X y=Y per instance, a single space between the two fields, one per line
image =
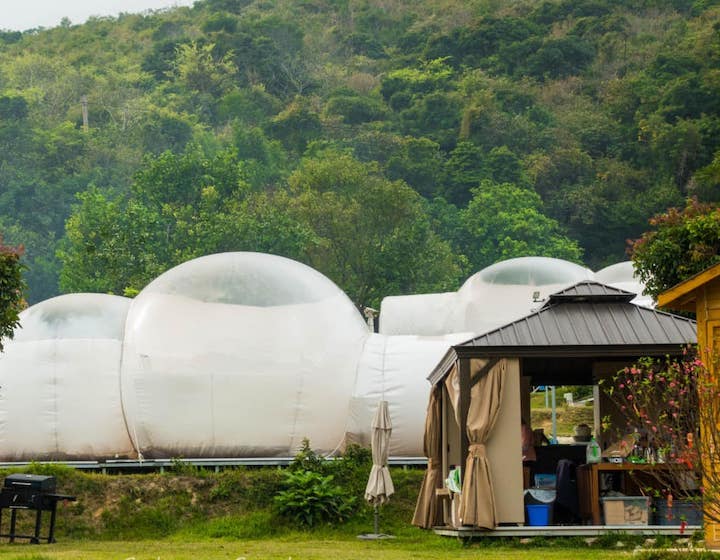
x=375 y=519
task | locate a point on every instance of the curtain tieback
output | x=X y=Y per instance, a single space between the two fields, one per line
x=477 y=450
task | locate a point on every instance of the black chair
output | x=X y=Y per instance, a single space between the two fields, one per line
x=567 y=504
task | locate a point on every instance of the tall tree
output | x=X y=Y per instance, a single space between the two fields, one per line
x=181 y=206
x=503 y=221
x=373 y=235
x=681 y=243
x=11 y=290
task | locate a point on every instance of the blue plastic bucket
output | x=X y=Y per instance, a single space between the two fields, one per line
x=538 y=515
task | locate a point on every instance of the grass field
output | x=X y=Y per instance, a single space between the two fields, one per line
x=297 y=549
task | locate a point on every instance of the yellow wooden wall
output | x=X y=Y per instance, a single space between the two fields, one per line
x=708 y=330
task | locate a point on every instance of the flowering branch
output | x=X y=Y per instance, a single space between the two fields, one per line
x=672 y=405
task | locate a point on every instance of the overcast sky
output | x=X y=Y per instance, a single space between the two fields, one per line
x=25 y=14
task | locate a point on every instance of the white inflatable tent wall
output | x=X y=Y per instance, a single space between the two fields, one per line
x=395 y=369
x=60 y=396
x=622 y=275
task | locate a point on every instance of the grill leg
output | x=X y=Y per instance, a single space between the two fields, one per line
x=38 y=521
x=13 y=517
x=51 y=534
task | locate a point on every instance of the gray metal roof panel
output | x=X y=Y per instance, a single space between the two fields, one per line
x=587 y=319
x=591 y=290
x=591 y=324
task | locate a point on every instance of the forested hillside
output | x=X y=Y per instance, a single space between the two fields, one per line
x=395 y=145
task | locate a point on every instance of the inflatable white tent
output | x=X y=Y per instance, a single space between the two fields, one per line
x=622 y=275
x=496 y=295
x=242 y=355
x=60 y=395
x=239 y=354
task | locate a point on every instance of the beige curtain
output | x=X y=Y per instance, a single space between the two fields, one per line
x=452 y=386
x=477 y=502
x=427 y=514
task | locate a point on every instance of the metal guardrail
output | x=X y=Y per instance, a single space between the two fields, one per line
x=216 y=464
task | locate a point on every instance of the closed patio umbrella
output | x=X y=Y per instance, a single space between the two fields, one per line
x=380 y=486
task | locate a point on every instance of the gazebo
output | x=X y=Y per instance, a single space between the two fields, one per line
x=480 y=390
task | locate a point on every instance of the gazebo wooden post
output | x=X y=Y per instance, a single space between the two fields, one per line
x=444 y=432
x=464 y=375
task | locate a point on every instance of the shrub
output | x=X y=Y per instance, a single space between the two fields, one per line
x=353 y=468
x=311 y=498
x=185 y=468
x=308 y=460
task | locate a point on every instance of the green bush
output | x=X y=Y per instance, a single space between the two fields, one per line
x=311 y=498
x=353 y=468
x=307 y=460
x=185 y=468
x=248 y=487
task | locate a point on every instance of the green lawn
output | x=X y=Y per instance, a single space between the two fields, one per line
x=296 y=549
x=230 y=515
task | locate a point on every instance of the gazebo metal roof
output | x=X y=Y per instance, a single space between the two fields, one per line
x=586 y=319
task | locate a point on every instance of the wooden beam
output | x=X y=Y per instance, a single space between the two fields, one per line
x=464 y=375
x=482 y=371
x=677 y=296
x=444 y=409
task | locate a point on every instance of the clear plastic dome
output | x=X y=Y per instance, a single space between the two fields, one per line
x=622 y=276
x=496 y=295
x=255 y=279
x=532 y=271
x=618 y=272
x=60 y=394
x=240 y=354
x=74 y=316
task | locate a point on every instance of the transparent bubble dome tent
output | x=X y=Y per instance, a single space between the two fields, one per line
x=496 y=295
x=60 y=396
x=241 y=355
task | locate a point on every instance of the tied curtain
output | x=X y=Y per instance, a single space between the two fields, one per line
x=477 y=501
x=426 y=511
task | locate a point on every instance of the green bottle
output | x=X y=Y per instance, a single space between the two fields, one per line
x=592 y=451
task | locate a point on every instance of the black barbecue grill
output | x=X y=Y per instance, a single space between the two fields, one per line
x=30 y=492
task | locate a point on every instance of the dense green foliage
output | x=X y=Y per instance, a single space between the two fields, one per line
x=368 y=139
x=309 y=498
x=681 y=243
x=12 y=288
x=318 y=491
